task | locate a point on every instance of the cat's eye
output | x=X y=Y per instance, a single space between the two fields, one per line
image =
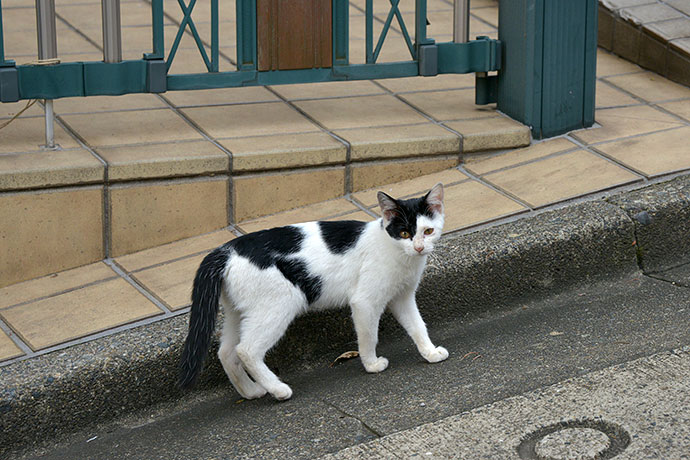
x=404 y=234
x=428 y=231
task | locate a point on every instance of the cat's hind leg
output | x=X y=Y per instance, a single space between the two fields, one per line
x=261 y=328
x=404 y=309
x=227 y=354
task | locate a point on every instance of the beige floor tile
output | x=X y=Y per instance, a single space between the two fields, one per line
x=172 y=282
x=358 y=215
x=28 y=134
x=220 y=96
x=328 y=89
x=107 y=103
x=624 y=122
x=261 y=153
x=680 y=108
x=558 y=178
x=650 y=86
x=48 y=322
x=189 y=60
x=400 y=141
x=144 y=216
x=145 y=161
x=490 y=134
x=132 y=127
x=171 y=251
x=653 y=154
x=250 y=120
x=36 y=230
x=482 y=165
x=411 y=187
x=53 y=284
x=10 y=109
x=450 y=105
x=438 y=82
x=471 y=203
x=373 y=174
x=49 y=168
x=319 y=211
x=21 y=46
x=608 y=96
x=489 y=15
x=610 y=64
x=360 y=112
x=264 y=194
x=7 y=348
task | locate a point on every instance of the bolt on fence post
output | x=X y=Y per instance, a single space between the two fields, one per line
x=112 y=36
x=47 y=49
x=461 y=21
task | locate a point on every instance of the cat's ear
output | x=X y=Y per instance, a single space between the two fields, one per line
x=434 y=198
x=389 y=207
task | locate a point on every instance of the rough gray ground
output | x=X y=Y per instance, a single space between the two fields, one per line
x=538 y=344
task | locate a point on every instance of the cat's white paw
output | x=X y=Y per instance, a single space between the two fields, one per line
x=282 y=392
x=380 y=364
x=253 y=393
x=436 y=355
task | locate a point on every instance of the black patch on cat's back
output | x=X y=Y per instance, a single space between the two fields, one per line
x=295 y=271
x=341 y=235
x=264 y=247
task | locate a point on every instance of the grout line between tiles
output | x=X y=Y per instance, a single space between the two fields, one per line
x=98 y=335
x=23 y=347
x=58 y=293
x=348 y=146
x=136 y=285
x=527 y=162
x=496 y=188
x=428 y=117
x=609 y=159
x=362 y=207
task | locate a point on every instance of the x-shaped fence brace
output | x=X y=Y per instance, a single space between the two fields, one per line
x=372 y=55
x=211 y=64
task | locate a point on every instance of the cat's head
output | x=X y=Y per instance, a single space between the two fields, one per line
x=414 y=224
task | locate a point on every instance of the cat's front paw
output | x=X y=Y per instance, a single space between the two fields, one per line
x=281 y=392
x=436 y=355
x=378 y=365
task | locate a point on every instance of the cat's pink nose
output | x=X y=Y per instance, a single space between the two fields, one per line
x=419 y=249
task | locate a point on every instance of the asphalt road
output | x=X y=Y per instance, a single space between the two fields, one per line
x=537 y=344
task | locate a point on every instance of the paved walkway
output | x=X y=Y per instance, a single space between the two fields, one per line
x=643 y=126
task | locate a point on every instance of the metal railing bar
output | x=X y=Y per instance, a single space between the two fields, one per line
x=369 y=18
x=406 y=35
x=214 y=36
x=195 y=33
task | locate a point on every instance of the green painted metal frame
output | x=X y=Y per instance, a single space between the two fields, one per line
x=548 y=74
x=100 y=78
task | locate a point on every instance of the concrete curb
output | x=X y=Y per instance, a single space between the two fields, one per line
x=486 y=270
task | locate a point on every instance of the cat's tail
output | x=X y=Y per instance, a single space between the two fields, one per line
x=202 y=320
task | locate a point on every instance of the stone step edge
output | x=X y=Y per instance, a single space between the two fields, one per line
x=487 y=270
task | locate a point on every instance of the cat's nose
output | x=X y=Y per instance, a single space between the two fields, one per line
x=419 y=248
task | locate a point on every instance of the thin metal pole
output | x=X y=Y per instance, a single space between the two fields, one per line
x=112 y=35
x=461 y=21
x=47 y=49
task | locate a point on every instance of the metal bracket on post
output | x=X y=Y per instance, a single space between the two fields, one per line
x=9 y=84
x=485 y=88
x=428 y=60
x=156 y=76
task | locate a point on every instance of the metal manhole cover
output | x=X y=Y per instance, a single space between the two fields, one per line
x=575 y=440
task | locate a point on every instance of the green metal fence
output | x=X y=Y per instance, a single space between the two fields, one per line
x=541 y=42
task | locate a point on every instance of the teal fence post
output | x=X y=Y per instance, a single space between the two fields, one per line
x=548 y=73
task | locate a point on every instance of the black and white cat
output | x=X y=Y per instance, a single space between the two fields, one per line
x=267 y=278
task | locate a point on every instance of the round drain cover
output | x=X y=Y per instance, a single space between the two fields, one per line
x=575 y=440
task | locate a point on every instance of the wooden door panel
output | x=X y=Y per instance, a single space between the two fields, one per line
x=294 y=34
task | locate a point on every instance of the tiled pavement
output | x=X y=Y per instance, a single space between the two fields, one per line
x=643 y=127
